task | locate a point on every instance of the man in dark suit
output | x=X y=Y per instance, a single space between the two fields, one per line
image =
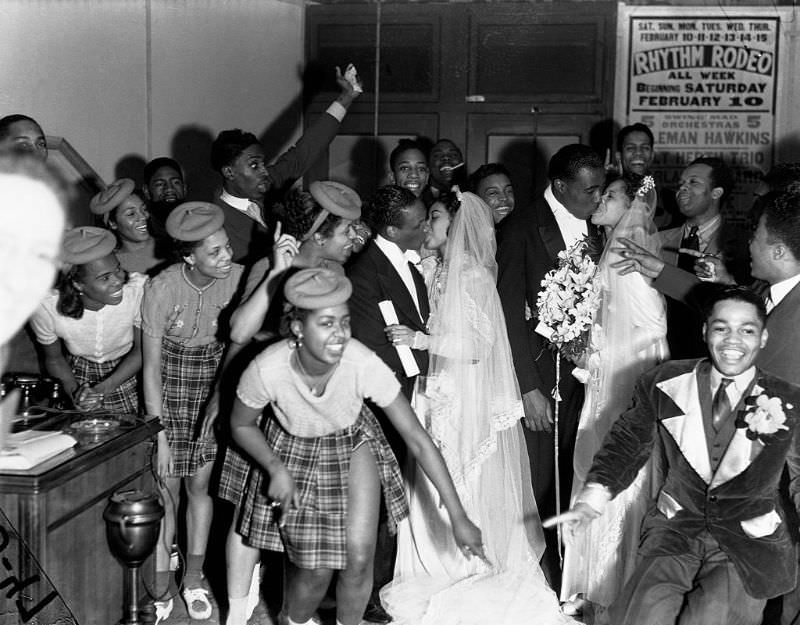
x=247 y=179
x=530 y=241
x=386 y=270
x=715 y=547
x=705 y=186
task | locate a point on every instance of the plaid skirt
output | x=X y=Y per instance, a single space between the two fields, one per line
x=314 y=534
x=234 y=470
x=187 y=379
x=123 y=400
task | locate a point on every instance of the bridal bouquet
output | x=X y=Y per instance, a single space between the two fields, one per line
x=568 y=301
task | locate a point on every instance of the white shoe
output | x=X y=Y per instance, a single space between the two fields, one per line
x=163 y=610
x=197 y=604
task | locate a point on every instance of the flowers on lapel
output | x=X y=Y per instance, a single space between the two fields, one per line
x=763 y=415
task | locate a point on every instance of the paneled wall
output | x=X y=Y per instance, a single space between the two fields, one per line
x=126 y=80
x=488 y=76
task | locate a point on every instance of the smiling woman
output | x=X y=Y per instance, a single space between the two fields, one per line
x=94 y=311
x=182 y=349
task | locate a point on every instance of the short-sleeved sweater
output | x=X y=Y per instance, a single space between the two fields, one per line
x=99 y=335
x=188 y=315
x=271 y=378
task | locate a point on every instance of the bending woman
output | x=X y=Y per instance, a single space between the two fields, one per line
x=95 y=312
x=327 y=458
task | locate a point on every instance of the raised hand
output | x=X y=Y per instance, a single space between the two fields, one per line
x=349 y=85
x=636 y=258
x=284 y=249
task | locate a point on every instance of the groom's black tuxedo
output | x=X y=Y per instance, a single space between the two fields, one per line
x=530 y=241
x=374 y=280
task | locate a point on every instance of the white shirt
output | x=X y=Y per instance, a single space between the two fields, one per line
x=399 y=261
x=779 y=290
x=572 y=229
x=243 y=205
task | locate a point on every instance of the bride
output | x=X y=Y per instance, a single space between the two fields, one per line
x=471 y=406
x=628 y=339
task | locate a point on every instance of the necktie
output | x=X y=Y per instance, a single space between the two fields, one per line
x=692 y=242
x=720 y=405
x=769 y=303
x=254 y=212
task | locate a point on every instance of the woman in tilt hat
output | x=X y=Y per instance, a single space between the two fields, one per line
x=94 y=311
x=182 y=349
x=327 y=459
x=125 y=212
x=318 y=233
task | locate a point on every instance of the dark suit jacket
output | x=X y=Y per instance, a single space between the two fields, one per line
x=667 y=418
x=374 y=280
x=781 y=355
x=249 y=239
x=529 y=243
x=684 y=324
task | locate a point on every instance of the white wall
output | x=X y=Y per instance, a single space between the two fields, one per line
x=128 y=77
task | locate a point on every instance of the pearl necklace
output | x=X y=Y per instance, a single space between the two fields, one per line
x=317 y=388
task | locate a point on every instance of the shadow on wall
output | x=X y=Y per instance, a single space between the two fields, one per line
x=130 y=166
x=527 y=164
x=368 y=166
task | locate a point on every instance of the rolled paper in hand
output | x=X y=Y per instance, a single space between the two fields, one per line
x=403 y=351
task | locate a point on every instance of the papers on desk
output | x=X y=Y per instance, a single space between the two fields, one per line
x=25 y=450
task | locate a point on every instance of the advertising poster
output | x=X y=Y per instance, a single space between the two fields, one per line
x=706 y=85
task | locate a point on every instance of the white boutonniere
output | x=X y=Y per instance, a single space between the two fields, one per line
x=763 y=415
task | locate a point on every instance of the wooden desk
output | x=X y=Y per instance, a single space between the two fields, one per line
x=57 y=508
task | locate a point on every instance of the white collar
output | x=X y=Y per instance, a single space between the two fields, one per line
x=392 y=251
x=239 y=203
x=780 y=290
x=741 y=381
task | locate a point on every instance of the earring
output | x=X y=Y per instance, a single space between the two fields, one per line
x=297 y=342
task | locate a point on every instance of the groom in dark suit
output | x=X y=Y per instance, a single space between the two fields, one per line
x=386 y=270
x=715 y=546
x=529 y=243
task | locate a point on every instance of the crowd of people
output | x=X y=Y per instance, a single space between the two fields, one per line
x=364 y=383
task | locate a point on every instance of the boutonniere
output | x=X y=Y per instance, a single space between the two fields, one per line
x=763 y=415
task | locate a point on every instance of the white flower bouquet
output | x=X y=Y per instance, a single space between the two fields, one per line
x=568 y=301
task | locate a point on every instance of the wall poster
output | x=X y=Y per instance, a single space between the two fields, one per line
x=705 y=80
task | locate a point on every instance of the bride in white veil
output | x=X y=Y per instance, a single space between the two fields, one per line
x=628 y=338
x=471 y=405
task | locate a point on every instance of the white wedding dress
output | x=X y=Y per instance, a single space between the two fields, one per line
x=471 y=406
x=629 y=337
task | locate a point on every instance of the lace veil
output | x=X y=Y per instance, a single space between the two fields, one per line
x=474 y=399
x=628 y=334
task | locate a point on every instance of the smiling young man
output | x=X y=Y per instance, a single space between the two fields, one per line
x=715 y=546
x=239 y=158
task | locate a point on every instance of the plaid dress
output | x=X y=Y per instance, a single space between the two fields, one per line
x=123 y=400
x=314 y=534
x=187 y=378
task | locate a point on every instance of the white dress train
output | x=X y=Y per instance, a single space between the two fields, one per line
x=471 y=406
x=629 y=338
